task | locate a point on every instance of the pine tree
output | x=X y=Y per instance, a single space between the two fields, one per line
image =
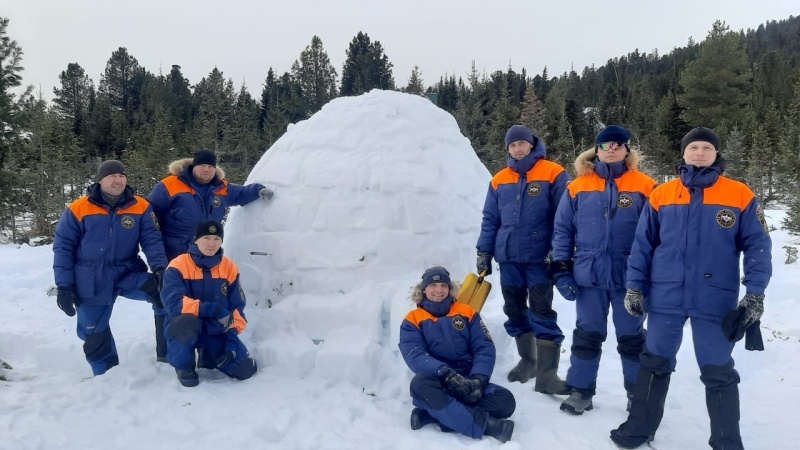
x=415 y=85
x=71 y=100
x=790 y=161
x=315 y=76
x=532 y=113
x=366 y=67
x=716 y=84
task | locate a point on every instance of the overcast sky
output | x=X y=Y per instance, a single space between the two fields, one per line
x=243 y=38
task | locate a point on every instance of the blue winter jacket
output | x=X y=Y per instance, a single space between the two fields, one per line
x=520 y=205
x=180 y=203
x=689 y=241
x=452 y=334
x=95 y=245
x=204 y=286
x=596 y=220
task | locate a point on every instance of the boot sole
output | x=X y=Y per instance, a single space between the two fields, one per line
x=571 y=409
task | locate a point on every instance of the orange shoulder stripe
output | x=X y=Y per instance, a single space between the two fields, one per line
x=670 y=193
x=137 y=208
x=505 y=176
x=222 y=189
x=419 y=315
x=175 y=186
x=544 y=170
x=727 y=192
x=585 y=183
x=226 y=269
x=186 y=267
x=632 y=181
x=463 y=309
x=82 y=207
x=238 y=322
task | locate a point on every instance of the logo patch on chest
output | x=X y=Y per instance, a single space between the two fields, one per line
x=726 y=218
x=459 y=323
x=216 y=202
x=127 y=222
x=624 y=201
x=534 y=189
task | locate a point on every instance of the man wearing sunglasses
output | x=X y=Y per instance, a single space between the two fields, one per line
x=592 y=237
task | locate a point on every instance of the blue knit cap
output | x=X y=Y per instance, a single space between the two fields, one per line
x=436 y=274
x=519 y=133
x=612 y=133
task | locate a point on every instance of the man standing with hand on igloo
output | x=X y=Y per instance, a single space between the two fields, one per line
x=516 y=231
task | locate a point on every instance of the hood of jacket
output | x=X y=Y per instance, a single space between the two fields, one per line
x=177 y=166
x=584 y=163
x=415 y=294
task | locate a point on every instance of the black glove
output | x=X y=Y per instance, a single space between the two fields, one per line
x=634 y=302
x=456 y=384
x=160 y=278
x=478 y=384
x=565 y=283
x=484 y=263
x=67 y=300
x=753 y=305
x=229 y=355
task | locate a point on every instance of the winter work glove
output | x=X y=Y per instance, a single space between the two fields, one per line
x=484 y=263
x=565 y=283
x=229 y=355
x=265 y=193
x=213 y=310
x=753 y=305
x=634 y=302
x=67 y=300
x=478 y=384
x=456 y=384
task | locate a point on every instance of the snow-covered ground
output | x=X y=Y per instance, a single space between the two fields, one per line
x=369 y=192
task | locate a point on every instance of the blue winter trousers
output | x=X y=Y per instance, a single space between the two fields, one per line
x=528 y=301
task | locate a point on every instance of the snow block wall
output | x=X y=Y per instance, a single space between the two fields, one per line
x=369 y=192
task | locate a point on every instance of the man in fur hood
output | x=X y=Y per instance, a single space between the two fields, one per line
x=196 y=190
x=594 y=228
x=452 y=355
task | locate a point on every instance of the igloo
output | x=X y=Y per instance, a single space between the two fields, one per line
x=369 y=192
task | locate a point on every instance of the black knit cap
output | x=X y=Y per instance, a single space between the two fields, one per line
x=209 y=228
x=700 y=134
x=436 y=274
x=204 y=157
x=110 y=167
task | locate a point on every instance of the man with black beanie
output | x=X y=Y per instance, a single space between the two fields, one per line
x=96 y=247
x=685 y=260
x=196 y=190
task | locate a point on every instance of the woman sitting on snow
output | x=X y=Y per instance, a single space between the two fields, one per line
x=205 y=309
x=452 y=354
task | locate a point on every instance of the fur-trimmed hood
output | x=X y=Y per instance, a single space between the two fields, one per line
x=584 y=163
x=415 y=294
x=177 y=166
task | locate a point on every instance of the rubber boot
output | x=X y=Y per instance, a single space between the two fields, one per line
x=723 y=410
x=526 y=368
x=647 y=409
x=188 y=378
x=500 y=429
x=547 y=381
x=420 y=418
x=161 y=343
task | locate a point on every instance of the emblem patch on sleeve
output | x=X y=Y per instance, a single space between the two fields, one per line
x=224 y=288
x=726 y=218
x=127 y=221
x=155 y=221
x=762 y=220
x=241 y=293
x=485 y=330
x=459 y=323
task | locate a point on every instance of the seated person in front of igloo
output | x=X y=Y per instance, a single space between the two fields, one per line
x=205 y=310
x=449 y=349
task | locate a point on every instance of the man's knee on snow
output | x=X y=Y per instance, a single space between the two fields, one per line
x=429 y=389
x=243 y=369
x=98 y=346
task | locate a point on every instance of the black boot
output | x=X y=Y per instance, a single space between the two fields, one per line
x=420 y=418
x=547 y=381
x=526 y=368
x=500 y=429
x=723 y=410
x=647 y=409
x=188 y=378
x=161 y=343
